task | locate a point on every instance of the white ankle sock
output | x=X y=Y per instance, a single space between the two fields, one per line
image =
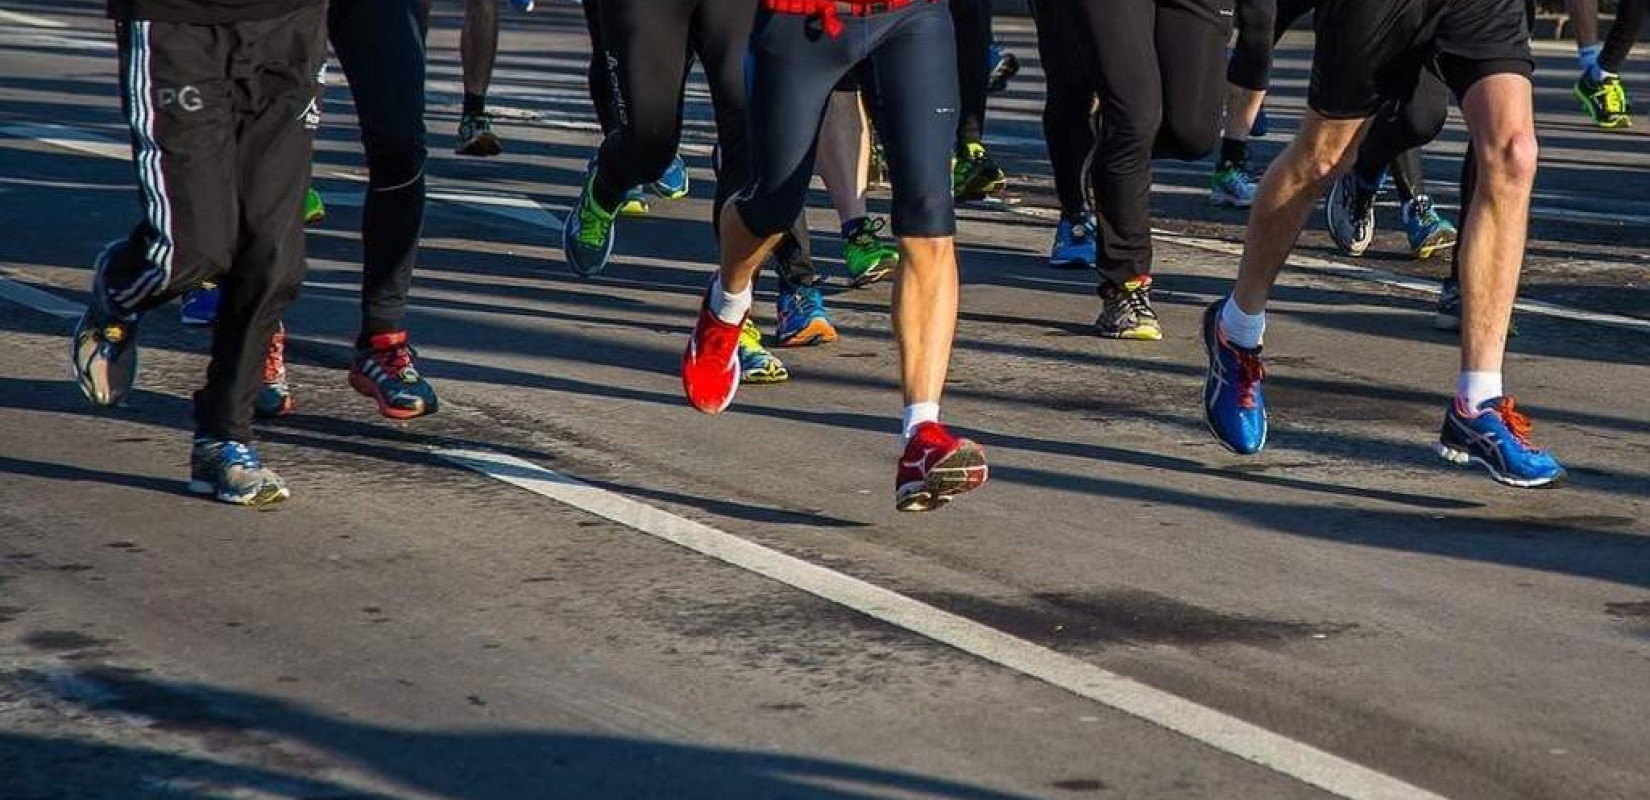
x=729 y=307
x=916 y=414
x=1473 y=388
x=1244 y=330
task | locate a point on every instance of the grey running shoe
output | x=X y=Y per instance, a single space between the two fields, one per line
x=103 y=356
x=231 y=472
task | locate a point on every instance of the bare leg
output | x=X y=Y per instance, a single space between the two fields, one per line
x=927 y=325
x=845 y=155
x=478 y=45
x=1292 y=186
x=1502 y=123
x=1584 y=19
x=1242 y=109
x=742 y=251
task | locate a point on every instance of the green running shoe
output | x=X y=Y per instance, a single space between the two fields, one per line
x=869 y=257
x=756 y=364
x=587 y=236
x=314 y=210
x=974 y=175
x=1605 y=100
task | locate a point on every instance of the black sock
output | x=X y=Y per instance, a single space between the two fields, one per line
x=1234 y=151
x=474 y=104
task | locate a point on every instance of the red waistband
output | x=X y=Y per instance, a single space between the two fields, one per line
x=829 y=11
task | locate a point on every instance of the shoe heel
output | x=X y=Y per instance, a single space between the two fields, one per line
x=199 y=486
x=1451 y=454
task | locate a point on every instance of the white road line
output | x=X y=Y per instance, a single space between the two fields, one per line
x=71 y=138
x=18 y=18
x=42 y=301
x=1208 y=726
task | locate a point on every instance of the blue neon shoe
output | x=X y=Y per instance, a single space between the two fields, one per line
x=231 y=472
x=756 y=364
x=803 y=320
x=1429 y=233
x=673 y=185
x=1004 y=66
x=634 y=203
x=587 y=236
x=103 y=356
x=1233 y=403
x=1497 y=437
x=1074 y=244
x=200 y=306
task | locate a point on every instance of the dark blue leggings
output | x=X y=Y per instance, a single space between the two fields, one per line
x=795 y=65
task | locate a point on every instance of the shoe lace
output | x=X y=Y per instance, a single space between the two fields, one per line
x=395 y=360
x=275 y=358
x=594 y=225
x=1518 y=423
x=1136 y=296
x=1421 y=210
x=750 y=336
x=1614 y=94
x=1251 y=371
x=868 y=234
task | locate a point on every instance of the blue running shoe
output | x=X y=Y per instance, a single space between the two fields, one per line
x=587 y=236
x=231 y=472
x=1429 y=233
x=103 y=356
x=803 y=320
x=200 y=306
x=673 y=185
x=1004 y=66
x=1497 y=437
x=1074 y=245
x=1233 y=402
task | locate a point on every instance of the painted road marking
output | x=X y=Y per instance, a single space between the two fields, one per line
x=42 y=301
x=19 y=18
x=1208 y=726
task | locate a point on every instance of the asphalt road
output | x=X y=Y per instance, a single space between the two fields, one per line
x=630 y=600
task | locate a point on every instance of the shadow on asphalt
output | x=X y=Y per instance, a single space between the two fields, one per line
x=471 y=764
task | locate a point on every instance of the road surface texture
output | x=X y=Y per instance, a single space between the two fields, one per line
x=568 y=584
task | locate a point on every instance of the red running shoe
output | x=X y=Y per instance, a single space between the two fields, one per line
x=710 y=366
x=935 y=468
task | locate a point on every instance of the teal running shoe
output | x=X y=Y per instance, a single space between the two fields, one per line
x=1429 y=233
x=587 y=236
x=803 y=320
x=673 y=185
x=756 y=364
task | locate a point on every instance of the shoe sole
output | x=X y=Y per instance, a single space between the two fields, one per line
x=666 y=194
x=817 y=333
x=285 y=410
x=1133 y=335
x=484 y=146
x=1463 y=458
x=761 y=379
x=259 y=499
x=196 y=322
x=1228 y=202
x=1446 y=323
x=312 y=220
x=870 y=276
x=1074 y=263
x=106 y=395
x=959 y=473
x=365 y=386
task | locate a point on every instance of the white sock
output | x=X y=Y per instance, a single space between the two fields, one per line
x=1473 y=388
x=1244 y=330
x=916 y=414
x=730 y=307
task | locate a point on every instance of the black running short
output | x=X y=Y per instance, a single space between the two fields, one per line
x=1369 y=50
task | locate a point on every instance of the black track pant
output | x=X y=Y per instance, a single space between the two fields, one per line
x=1631 y=16
x=1068 y=103
x=603 y=90
x=972 y=20
x=647 y=43
x=1160 y=75
x=222 y=119
x=381 y=46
